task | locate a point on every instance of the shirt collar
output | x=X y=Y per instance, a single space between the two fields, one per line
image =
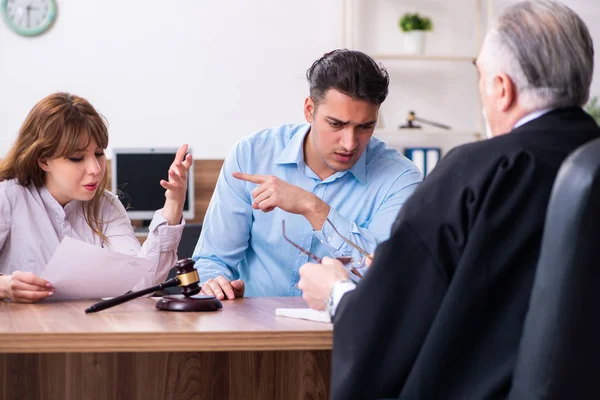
x=359 y=170
x=531 y=116
x=293 y=153
x=54 y=205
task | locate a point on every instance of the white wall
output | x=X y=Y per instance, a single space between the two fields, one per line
x=203 y=72
x=207 y=72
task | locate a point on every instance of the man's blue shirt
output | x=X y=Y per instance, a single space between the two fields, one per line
x=240 y=242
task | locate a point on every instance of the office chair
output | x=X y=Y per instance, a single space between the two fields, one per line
x=187 y=244
x=559 y=355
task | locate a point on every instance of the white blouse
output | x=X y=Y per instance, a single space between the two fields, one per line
x=33 y=223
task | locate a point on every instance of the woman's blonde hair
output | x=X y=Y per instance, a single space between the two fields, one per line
x=58 y=126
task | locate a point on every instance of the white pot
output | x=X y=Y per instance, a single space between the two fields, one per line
x=414 y=42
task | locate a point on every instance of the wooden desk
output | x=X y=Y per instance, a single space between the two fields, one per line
x=134 y=351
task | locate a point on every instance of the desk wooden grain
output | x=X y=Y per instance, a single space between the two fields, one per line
x=134 y=351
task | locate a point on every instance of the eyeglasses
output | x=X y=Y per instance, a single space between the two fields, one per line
x=344 y=260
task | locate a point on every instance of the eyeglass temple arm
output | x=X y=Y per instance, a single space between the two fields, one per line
x=357 y=247
x=308 y=253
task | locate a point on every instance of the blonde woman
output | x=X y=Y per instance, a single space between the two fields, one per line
x=53 y=184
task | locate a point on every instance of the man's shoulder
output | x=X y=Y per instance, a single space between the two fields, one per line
x=486 y=151
x=256 y=153
x=380 y=156
x=273 y=137
x=560 y=129
x=527 y=148
x=543 y=137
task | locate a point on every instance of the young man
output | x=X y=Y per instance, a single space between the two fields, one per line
x=441 y=310
x=325 y=175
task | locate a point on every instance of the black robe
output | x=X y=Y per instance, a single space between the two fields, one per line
x=441 y=310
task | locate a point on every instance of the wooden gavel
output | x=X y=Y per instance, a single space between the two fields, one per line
x=187 y=277
x=412 y=117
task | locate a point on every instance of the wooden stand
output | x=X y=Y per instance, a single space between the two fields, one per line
x=179 y=302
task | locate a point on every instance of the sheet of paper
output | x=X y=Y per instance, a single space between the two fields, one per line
x=304 y=313
x=79 y=270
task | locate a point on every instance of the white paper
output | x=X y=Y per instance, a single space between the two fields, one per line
x=79 y=270
x=304 y=313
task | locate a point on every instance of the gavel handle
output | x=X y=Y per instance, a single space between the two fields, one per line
x=437 y=124
x=103 y=305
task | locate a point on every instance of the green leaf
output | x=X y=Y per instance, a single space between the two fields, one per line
x=414 y=22
x=593 y=108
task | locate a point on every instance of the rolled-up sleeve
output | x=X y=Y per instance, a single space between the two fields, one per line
x=377 y=229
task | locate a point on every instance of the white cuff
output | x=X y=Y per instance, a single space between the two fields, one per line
x=339 y=289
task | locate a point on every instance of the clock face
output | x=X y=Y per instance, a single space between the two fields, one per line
x=29 y=17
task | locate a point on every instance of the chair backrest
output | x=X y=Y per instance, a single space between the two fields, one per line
x=559 y=355
x=189 y=239
x=187 y=244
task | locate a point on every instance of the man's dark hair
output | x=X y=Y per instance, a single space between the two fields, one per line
x=350 y=72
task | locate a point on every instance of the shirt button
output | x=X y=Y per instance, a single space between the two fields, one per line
x=329 y=239
x=322 y=241
x=64 y=224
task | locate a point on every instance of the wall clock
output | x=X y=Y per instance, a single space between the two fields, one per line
x=28 y=17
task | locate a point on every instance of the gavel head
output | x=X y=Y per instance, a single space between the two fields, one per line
x=188 y=277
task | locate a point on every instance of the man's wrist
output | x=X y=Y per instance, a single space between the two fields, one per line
x=338 y=290
x=316 y=212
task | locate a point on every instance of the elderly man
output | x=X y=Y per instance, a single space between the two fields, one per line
x=440 y=312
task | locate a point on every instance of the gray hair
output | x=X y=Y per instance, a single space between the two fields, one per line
x=545 y=49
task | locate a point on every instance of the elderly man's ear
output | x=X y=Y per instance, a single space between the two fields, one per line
x=504 y=88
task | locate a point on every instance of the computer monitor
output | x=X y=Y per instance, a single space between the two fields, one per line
x=136 y=175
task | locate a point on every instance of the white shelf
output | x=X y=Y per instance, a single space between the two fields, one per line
x=442 y=139
x=422 y=57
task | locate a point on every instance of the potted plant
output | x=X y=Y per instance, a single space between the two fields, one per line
x=593 y=108
x=414 y=27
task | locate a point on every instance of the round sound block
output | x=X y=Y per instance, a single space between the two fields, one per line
x=178 y=302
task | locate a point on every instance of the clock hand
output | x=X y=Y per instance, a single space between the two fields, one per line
x=28 y=15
